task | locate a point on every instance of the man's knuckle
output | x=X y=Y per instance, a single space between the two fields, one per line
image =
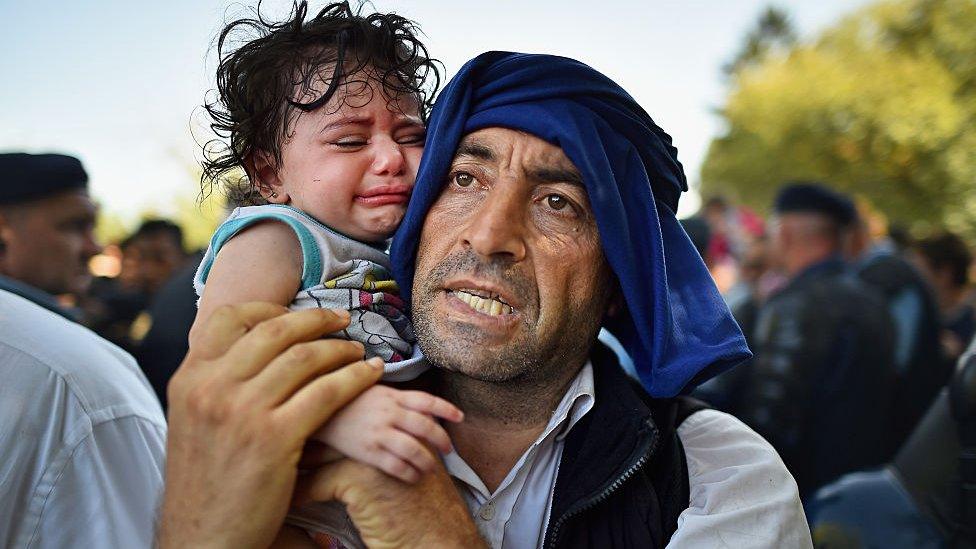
x=272 y=329
x=301 y=353
x=209 y=402
x=326 y=391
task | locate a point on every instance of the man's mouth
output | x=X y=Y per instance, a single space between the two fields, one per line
x=483 y=301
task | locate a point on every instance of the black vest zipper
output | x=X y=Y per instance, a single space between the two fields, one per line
x=553 y=533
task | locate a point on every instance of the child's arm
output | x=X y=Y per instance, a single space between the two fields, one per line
x=390 y=430
x=261 y=263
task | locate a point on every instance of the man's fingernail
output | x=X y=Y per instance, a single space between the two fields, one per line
x=375 y=362
x=342 y=313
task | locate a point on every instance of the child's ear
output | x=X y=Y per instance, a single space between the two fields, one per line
x=263 y=173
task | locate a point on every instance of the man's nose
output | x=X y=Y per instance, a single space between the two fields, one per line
x=388 y=159
x=497 y=227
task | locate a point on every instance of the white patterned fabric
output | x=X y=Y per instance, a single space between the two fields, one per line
x=338 y=272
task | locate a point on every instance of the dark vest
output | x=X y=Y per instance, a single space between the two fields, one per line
x=623 y=479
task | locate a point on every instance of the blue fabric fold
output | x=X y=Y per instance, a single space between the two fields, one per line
x=677 y=328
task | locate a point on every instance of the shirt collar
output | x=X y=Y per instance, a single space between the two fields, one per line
x=577 y=401
x=37 y=296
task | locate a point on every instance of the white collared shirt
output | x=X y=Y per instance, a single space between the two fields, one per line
x=82 y=436
x=741 y=494
x=517 y=512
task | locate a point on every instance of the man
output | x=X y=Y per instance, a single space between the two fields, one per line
x=819 y=388
x=920 y=369
x=548 y=194
x=81 y=435
x=117 y=306
x=171 y=315
x=154 y=252
x=945 y=260
x=46 y=224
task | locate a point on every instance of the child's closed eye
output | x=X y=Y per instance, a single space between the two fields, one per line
x=350 y=143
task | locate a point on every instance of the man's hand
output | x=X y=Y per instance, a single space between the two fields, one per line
x=390 y=513
x=255 y=385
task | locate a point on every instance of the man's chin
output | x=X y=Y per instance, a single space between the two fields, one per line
x=80 y=285
x=477 y=358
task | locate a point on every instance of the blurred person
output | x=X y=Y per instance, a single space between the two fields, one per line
x=920 y=369
x=112 y=304
x=116 y=307
x=925 y=497
x=945 y=260
x=81 y=435
x=744 y=298
x=170 y=317
x=47 y=222
x=819 y=387
x=154 y=253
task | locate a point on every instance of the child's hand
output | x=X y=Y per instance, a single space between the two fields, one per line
x=389 y=429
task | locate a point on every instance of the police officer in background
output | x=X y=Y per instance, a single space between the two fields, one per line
x=47 y=221
x=819 y=388
x=82 y=437
x=921 y=370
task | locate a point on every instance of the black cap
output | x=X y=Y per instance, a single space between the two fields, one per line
x=25 y=177
x=815 y=198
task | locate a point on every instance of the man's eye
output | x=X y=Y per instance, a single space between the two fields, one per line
x=462 y=179
x=557 y=202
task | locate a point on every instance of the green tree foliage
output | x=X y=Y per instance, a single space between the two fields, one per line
x=882 y=105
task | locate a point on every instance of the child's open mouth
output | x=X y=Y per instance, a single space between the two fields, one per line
x=385 y=194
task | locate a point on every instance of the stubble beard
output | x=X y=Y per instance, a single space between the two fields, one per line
x=518 y=382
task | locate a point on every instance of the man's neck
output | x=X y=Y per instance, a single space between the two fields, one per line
x=800 y=262
x=501 y=420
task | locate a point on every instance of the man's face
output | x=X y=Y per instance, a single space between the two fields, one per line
x=511 y=281
x=151 y=260
x=48 y=242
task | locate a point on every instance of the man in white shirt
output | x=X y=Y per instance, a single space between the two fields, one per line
x=82 y=436
x=81 y=433
x=532 y=224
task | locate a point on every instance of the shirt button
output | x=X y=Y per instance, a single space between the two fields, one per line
x=487 y=511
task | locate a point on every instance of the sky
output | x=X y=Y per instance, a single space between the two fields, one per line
x=120 y=83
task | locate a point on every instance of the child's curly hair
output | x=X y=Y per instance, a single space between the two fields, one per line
x=283 y=66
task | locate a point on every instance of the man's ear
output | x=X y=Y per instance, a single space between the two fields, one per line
x=5 y=232
x=263 y=172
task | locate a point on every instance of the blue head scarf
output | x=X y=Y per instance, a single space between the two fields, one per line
x=678 y=329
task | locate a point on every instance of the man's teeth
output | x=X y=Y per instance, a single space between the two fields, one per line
x=483 y=305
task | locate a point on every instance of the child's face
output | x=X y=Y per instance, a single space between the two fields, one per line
x=351 y=163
